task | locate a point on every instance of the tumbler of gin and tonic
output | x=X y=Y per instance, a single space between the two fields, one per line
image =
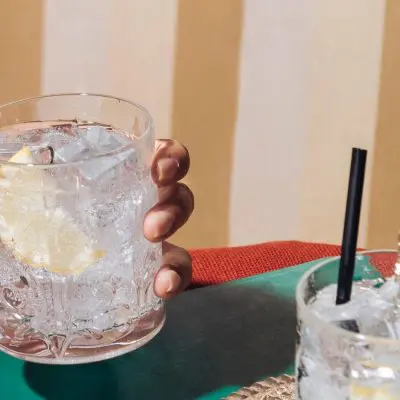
x=76 y=273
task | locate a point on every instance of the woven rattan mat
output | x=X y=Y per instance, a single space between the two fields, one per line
x=281 y=388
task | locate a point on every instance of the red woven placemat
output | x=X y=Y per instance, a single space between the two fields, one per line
x=213 y=266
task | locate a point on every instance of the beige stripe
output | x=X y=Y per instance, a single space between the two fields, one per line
x=384 y=216
x=204 y=113
x=20 y=44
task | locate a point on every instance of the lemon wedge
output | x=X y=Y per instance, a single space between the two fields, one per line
x=39 y=233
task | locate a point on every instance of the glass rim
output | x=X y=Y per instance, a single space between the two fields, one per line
x=149 y=125
x=304 y=312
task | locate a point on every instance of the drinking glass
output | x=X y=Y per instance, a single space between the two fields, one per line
x=333 y=362
x=76 y=273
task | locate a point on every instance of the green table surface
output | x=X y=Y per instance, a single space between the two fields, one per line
x=216 y=340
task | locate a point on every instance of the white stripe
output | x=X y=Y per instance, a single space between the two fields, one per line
x=119 y=47
x=347 y=39
x=142 y=56
x=271 y=127
x=75 y=46
x=309 y=92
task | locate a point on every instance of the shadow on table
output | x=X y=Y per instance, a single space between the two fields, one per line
x=214 y=337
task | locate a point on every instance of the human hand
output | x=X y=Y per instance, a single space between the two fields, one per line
x=176 y=202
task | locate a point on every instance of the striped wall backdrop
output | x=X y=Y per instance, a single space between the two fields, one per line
x=268 y=95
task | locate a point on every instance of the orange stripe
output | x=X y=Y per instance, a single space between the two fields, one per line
x=205 y=108
x=21 y=48
x=384 y=210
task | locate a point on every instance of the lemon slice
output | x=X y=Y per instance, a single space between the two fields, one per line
x=369 y=393
x=24 y=156
x=39 y=233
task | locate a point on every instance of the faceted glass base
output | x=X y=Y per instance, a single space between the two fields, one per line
x=108 y=345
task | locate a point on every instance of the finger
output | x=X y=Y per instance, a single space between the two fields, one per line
x=166 y=193
x=171 y=162
x=176 y=273
x=167 y=217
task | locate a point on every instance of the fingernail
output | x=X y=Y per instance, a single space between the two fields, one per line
x=159 y=222
x=168 y=280
x=167 y=169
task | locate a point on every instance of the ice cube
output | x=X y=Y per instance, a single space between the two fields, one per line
x=93 y=169
x=350 y=325
x=94 y=134
x=104 y=139
x=101 y=140
x=8 y=149
x=91 y=300
x=372 y=311
x=386 y=325
x=377 y=327
x=389 y=290
x=312 y=388
x=366 y=301
x=326 y=309
x=73 y=151
x=381 y=316
x=117 y=140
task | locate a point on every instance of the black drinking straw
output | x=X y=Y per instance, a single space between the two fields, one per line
x=351 y=223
